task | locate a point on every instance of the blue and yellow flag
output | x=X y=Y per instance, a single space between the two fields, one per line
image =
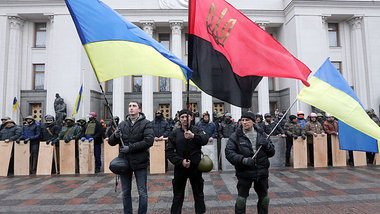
x=330 y=92
x=78 y=101
x=15 y=104
x=117 y=48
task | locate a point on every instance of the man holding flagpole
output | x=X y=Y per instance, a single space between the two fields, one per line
x=240 y=148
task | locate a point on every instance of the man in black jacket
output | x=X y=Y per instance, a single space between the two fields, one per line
x=184 y=151
x=49 y=132
x=137 y=136
x=94 y=132
x=240 y=148
x=160 y=126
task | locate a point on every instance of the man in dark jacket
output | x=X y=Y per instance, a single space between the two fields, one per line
x=94 y=132
x=3 y=120
x=49 y=130
x=31 y=133
x=184 y=151
x=111 y=127
x=240 y=149
x=10 y=132
x=137 y=137
x=268 y=126
x=227 y=127
x=160 y=126
x=207 y=126
x=283 y=121
x=293 y=130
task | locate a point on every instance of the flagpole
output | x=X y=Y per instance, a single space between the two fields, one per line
x=19 y=108
x=295 y=100
x=188 y=102
x=110 y=110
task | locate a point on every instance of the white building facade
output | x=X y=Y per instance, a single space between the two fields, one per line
x=41 y=55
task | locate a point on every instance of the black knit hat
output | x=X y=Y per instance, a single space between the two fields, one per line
x=249 y=115
x=185 y=111
x=292 y=117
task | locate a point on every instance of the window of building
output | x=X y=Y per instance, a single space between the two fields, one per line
x=219 y=107
x=164 y=84
x=272 y=108
x=165 y=108
x=38 y=76
x=136 y=83
x=107 y=113
x=108 y=85
x=338 y=66
x=333 y=34
x=271 y=84
x=40 y=35
x=164 y=40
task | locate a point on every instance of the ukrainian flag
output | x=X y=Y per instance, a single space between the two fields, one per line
x=330 y=92
x=78 y=101
x=118 y=48
x=15 y=104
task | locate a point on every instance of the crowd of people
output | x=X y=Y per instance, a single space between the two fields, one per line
x=248 y=148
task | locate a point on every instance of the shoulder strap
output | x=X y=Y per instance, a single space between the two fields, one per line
x=67 y=132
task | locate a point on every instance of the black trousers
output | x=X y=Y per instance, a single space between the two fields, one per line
x=289 y=144
x=179 y=183
x=261 y=188
x=329 y=150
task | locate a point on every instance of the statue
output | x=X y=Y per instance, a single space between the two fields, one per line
x=60 y=109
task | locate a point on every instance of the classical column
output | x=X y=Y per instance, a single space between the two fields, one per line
x=263 y=87
x=147 y=80
x=13 y=68
x=235 y=112
x=50 y=85
x=118 y=98
x=176 y=84
x=358 y=60
x=206 y=103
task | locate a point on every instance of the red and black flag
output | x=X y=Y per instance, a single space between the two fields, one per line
x=230 y=54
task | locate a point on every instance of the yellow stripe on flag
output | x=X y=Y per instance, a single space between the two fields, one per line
x=339 y=104
x=113 y=59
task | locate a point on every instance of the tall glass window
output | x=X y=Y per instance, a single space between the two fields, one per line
x=164 y=40
x=333 y=34
x=109 y=86
x=38 y=76
x=136 y=83
x=338 y=66
x=40 y=35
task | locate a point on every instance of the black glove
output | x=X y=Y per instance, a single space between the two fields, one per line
x=264 y=143
x=124 y=150
x=294 y=136
x=248 y=162
x=18 y=141
x=68 y=139
x=117 y=133
x=26 y=140
x=303 y=136
x=47 y=142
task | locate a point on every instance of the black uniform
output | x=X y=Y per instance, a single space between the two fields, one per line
x=239 y=147
x=180 y=148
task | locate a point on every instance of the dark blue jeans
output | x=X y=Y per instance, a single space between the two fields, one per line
x=97 y=152
x=126 y=186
